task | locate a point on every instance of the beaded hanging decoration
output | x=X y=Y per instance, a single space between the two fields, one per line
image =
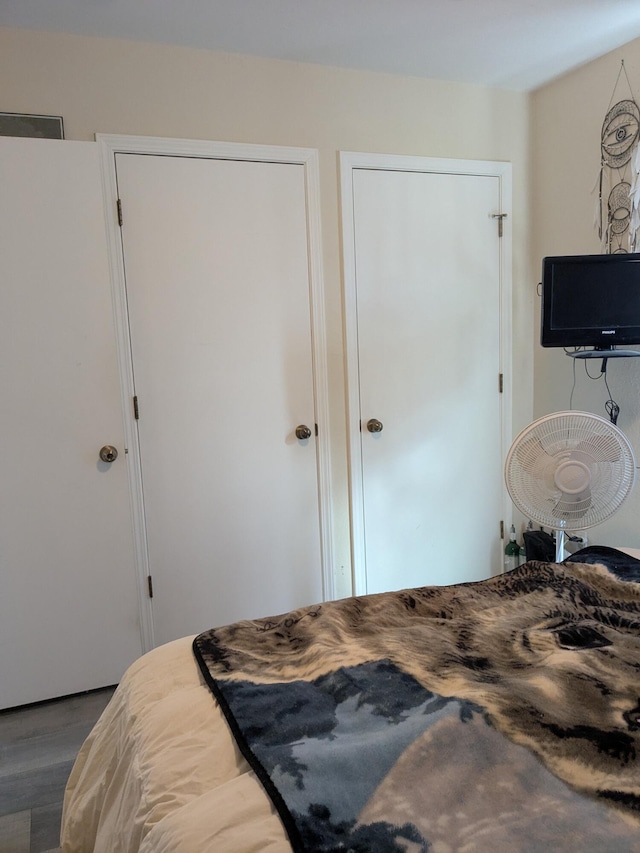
x=618 y=213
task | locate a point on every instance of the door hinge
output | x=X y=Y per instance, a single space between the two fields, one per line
x=119 y=206
x=316 y=425
x=499 y=217
x=136 y=410
x=501 y=383
x=150 y=586
x=502 y=529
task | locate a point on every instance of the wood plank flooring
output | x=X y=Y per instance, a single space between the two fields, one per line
x=38 y=745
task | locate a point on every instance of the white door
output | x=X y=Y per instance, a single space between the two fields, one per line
x=69 y=618
x=216 y=260
x=425 y=261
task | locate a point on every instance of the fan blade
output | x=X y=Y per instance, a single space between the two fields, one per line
x=572 y=507
x=534 y=459
x=601 y=448
x=527 y=453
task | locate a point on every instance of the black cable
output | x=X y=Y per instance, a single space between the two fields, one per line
x=586 y=370
x=573 y=387
x=613 y=410
x=610 y=407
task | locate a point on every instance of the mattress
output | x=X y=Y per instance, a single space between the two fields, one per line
x=161 y=771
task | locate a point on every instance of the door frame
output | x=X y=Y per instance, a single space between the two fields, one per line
x=349 y=162
x=111 y=145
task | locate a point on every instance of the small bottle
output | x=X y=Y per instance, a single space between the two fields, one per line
x=523 y=547
x=511 y=551
x=522 y=554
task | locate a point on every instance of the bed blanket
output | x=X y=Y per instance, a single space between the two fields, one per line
x=502 y=714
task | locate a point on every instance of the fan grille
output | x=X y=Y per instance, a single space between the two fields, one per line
x=570 y=470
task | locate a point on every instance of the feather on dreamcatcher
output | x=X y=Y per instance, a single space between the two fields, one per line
x=634 y=198
x=618 y=213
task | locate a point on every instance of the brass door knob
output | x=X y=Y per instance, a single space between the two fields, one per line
x=303 y=431
x=108 y=453
x=374 y=425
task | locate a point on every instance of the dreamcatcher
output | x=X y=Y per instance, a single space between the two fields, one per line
x=618 y=214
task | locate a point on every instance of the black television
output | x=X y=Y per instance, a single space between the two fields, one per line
x=591 y=302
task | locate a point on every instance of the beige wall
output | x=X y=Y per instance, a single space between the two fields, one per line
x=566 y=122
x=125 y=87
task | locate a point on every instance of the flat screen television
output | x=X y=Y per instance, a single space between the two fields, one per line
x=591 y=301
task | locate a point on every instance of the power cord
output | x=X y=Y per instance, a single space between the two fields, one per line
x=610 y=407
x=613 y=410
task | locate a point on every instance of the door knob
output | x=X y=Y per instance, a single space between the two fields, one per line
x=374 y=425
x=108 y=453
x=303 y=431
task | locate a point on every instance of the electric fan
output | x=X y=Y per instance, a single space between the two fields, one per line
x=570 y=471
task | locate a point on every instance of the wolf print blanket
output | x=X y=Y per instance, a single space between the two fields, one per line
x=502 y=715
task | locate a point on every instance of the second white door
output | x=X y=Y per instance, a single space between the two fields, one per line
x=216 y=259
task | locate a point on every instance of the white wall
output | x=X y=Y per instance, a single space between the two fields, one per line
x=117 y=86
x=566 y=122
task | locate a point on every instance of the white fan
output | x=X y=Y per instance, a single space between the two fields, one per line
x=570 y=471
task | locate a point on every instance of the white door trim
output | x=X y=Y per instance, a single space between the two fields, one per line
x=349 y=162
x=115 y=144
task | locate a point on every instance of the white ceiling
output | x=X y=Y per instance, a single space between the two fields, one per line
x=514 y=44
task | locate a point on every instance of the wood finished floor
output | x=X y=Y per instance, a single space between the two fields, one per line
x=38 y=745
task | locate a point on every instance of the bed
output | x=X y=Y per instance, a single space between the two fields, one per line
x=499 y=715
